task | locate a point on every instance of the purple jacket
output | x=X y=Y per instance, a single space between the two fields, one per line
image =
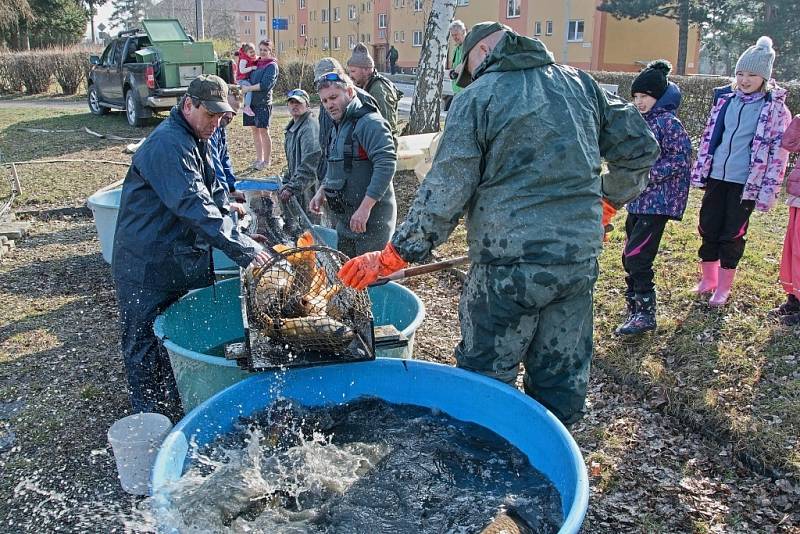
x=668 y=188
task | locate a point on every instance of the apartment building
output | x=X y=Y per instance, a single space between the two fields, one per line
x=573 y=30
x=252 y=23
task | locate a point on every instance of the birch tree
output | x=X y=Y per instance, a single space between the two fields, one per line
x=426 y=107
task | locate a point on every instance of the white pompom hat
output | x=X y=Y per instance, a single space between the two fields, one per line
x=758 y=59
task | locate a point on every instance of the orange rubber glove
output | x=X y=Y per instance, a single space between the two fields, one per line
x=608 y=213
x=363 y=270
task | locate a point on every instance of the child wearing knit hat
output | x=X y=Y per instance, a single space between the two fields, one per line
x=740 y=164
x=664 y=198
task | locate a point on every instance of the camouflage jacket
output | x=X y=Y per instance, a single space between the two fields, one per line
x=302 y=153
x=520 y=156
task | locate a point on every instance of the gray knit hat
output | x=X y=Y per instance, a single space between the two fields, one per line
x=758 y=58
x=326 y=65
x=361 y=57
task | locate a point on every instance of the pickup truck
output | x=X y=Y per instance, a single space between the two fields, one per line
x=144 y=71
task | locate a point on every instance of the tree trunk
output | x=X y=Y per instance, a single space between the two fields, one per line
x=426 y=107
x=683 y=35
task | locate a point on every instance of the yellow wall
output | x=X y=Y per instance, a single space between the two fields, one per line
x=607 y=44
x=654 y=38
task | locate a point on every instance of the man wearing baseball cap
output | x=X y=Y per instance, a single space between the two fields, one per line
x=520 y=158
x=172 y=212
x=302 y=150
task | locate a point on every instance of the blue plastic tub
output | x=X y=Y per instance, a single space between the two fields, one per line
x=200 y=321
x=461 y=394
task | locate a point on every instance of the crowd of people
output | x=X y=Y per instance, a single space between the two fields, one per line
x=535 y=205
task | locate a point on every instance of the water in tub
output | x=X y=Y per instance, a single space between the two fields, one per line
x=365 y=466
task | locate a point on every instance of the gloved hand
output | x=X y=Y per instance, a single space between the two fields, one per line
x=608 y=213
x=363 y=270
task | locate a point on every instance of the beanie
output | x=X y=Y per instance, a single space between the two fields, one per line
x=361 y=57
x=758 y=59
x=653 y=79
x=326 y=65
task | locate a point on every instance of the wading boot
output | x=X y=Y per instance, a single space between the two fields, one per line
x=791 y=306
x=724 y=283
x=791 y=319
x=708 y=282
x=644 y=318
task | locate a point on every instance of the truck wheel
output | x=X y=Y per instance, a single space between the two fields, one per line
x=94 y=102
x=133 y=109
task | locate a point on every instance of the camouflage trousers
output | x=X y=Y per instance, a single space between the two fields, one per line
x=539 y=316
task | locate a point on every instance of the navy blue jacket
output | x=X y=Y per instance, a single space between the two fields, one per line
x=172 y=211
x=223 y=168
x=265 y=78
x=667 y=189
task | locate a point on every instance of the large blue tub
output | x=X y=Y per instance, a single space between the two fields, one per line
x=464 y=395
x=210 y=317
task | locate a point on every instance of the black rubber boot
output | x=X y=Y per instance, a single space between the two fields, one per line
x=791 y=306
x=630 y=305
x=644 y=318
x=791 y=319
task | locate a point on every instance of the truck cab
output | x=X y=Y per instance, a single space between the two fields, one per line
x=146 y=70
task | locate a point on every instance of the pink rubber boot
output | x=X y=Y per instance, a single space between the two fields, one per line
x=709 y=281
x=720 y=296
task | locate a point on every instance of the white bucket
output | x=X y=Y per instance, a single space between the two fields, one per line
x=135 y=440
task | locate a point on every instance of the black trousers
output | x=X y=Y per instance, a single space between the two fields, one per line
x=724 y=218
x=151 y=384
x=641 y=246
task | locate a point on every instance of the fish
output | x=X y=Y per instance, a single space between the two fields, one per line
x=508 y=522
x=313 y=332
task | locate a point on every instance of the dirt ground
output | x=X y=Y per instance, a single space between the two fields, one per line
x=62 y=385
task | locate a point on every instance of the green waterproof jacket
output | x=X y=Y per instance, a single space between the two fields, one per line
x=302 y=153
x=521 y=155
x=387 y=96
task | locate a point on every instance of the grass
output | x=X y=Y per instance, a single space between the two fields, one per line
x=732 y=373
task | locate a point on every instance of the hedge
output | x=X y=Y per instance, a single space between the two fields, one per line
x=697 y=94
x=33 y=72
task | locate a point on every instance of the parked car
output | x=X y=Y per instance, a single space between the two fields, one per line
x=148 y=70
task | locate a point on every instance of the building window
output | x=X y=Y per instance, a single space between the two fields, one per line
x=324 y=43
x=382 y=20
x=316 y=43
x=262 y=18
x=537 y=27
x=302 y=4
x=369 y=37
x=352 y=12
x=460 y=3
x=575 y=31
x=324 y=15
x=351 y=41
x=247 y=31
x=417 y=5
x=403 y=36
x=262 y=31
x=281 y=46
x=396 y=37
x=291 y=19
x=337 y=14
x=337 y=42
x=512 y=9
x=247 y=18
x=369 y=6
x=417 y=38
x=548 y=27
x=381 y=34
x=302 y=30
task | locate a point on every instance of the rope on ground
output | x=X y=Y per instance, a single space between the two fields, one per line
x=33 y=162
x=110 y=137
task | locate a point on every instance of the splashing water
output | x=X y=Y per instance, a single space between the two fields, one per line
x=364 y=466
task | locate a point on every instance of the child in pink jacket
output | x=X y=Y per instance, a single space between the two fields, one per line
x=789 y=312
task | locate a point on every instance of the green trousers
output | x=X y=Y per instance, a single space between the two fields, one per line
x=539 y=316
